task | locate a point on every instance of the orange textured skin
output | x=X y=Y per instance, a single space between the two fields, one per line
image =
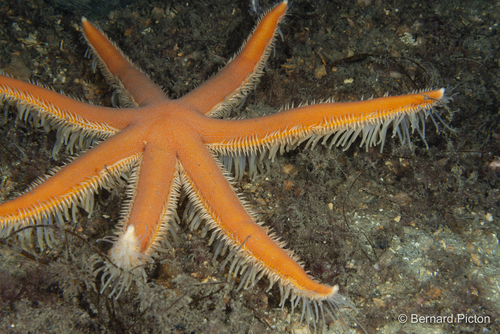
x=71 y=180
x=235 y=74
x=56 y=103
x=314 y=115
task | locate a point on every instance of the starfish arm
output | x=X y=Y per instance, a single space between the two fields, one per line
x=339 y=123
x=135 y=87
x=148 y=215
x=70 y=186
x=155 y=195
x=234 y=225
x=60 y=110
x=225 y=90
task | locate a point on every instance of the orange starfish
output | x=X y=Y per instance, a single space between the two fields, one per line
x=171 y=146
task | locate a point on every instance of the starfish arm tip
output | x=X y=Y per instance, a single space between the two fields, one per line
x=124 y=264
x=126 y=250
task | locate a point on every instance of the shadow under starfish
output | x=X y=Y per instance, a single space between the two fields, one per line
x=169 y=146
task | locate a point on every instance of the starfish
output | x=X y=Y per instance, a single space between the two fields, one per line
x=163 y=147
